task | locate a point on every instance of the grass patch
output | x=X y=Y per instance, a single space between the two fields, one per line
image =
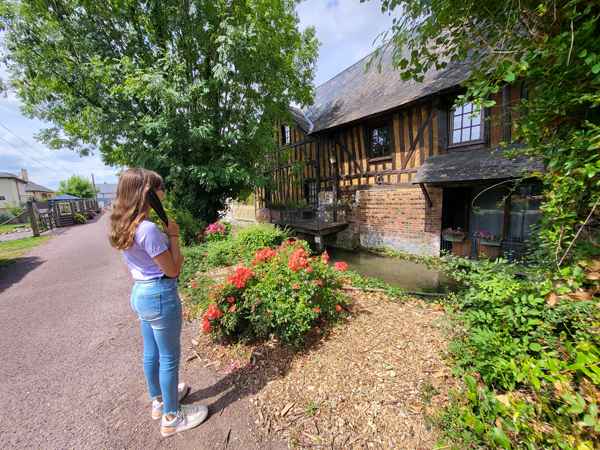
x=11 y=251
x=5 y=228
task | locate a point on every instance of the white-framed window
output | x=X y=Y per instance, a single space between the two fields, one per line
x=78 y=207
x=463 y=129
x=65 y=208
x=2 y=197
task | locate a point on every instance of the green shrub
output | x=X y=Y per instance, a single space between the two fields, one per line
x=4 y=217
x=189 y=228
x=259 y=236
x=503 y=318
x=282 y=292
x=79 y=218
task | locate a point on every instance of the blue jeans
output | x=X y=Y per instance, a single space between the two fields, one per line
x=159 y=307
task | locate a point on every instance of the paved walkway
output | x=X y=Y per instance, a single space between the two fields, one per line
x=71 y=351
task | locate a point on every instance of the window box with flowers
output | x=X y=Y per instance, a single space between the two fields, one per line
x=488 y=237
x=453 y=235
x=488 y=243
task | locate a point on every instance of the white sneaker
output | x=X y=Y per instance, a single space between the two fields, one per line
x=187 y=417
x=158 y=408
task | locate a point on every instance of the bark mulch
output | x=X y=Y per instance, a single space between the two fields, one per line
x=364 y=383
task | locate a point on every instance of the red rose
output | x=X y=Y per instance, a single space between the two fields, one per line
x=338 y=308
x=317 y=310
x=194 y=285
x=320 y=282
x=233 y=308
x=230 y=299
x=295 y=286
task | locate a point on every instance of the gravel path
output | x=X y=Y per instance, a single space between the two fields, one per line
x=71 y=351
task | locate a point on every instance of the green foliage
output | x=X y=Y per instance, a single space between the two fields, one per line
x=557 y=409
x=504 y=319
x=190 y=228
x=15 y=208
x=5 y=217
x=79 y=218
x=77 y=186
x=282 y=292
x=190 y=91
x=554 y=48
x=260 y=236
x=241 y=246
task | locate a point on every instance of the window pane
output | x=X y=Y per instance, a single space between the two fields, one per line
x=466 y=123
x=458 y=110
x=457 y=120
x=468 y=108
x=475 y=132
x=456 y=136
x=477 y=120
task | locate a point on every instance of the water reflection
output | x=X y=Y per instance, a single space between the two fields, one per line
x=407 y=275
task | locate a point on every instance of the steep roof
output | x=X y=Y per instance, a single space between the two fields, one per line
x=354 y=94
x=301 y=120
x=107 y=188
x=34 y=187
x=10 y=175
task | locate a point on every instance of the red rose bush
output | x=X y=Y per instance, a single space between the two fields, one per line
x=284 y=292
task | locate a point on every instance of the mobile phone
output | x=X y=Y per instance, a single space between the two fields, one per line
x=157 y=206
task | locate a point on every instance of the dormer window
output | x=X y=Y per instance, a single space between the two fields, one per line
x=464 y=129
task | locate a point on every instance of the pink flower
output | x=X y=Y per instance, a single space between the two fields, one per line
x=194 y=285
x=295 y=286
x=233 y=308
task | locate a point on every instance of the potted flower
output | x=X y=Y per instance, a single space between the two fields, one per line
x=488 y=237
x=453 y=235
x=303 y=205
x=344 y=205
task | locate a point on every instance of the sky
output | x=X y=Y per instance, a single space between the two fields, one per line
x=346 y=30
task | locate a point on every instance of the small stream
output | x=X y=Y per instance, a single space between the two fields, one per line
x=406 y=275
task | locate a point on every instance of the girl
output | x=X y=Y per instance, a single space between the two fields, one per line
x=155 y=261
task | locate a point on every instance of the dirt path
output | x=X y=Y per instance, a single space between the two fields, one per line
x=71 y=351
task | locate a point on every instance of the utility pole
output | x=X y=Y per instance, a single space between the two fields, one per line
x=95 y=191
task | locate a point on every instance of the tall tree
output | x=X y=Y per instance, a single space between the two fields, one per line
x=553 y=48
x=190 y=89
x=77 y=186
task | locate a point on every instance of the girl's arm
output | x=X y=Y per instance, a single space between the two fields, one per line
x=170 y=261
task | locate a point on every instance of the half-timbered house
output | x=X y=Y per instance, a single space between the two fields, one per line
x=410 y=162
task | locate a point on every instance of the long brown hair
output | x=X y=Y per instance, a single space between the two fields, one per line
x=131 y=205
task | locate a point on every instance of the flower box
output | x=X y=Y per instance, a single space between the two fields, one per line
x=481 y=241
x=450 y=238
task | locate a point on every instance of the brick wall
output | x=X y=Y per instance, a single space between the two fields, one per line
x=399 y=219
x=262 y=215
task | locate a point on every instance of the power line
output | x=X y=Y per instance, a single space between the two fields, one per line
x=61 y=174
x=26 y=143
